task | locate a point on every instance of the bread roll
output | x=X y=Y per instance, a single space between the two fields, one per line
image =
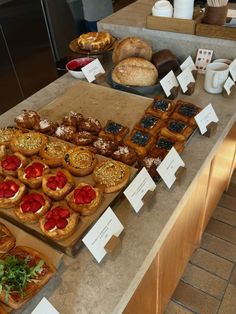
x=131 y=47
x=135 y=72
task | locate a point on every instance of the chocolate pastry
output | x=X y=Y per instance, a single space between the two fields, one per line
x=114 y=131
x=151 y=164
x=161 y=108
x=125 y=154
x=73 y=119
x=104 y=147
x=163 y=145
x=46 y=126
x=83 y=138
x=27 y=119
x=65 y=132
x=186 y=112
x=150 y=124
x=140 y=141
x=177 y=130
x=91 y=125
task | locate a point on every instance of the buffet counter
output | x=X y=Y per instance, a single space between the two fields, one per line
x=156 y=243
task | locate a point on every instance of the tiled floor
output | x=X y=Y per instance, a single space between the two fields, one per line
x=208 y=285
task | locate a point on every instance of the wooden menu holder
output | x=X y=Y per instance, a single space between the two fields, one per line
x=191 y=88
x=112 y=244
x=174 y=92
x=211 y=129
x=180 y=174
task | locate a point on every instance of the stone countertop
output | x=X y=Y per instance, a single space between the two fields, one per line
x=81 y=285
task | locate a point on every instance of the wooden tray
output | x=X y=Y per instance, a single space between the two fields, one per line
x=173 y=24
x=216 y=31
x=70 y=245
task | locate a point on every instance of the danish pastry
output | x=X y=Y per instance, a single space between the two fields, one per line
x=6 y=135
x=186 y=112
x=151 y=164
x=140 y=141
x=7 y=240
x=83 y=138
x=161 y=108
x=79 y=161
x=32 y=207
x=111 y=174
x=125 y=154
x=11 y=192
x=114 y=131
x=95 y=41
x=91 y=125
x=57 y=185
x=11 y=163
x=28 y=144
x=46 y=126
x=73 y=119
x=59 y=223
x=27 y=119
x=163 y=145
x=150 y=124
x=177 y=131
x=85 y=199
x=104 y=146
x=33 y=173
x=53 y=152
x=65 y=132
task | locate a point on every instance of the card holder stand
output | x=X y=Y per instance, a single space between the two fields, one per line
x=112 y=245
x=99 y=79
x=147 y=197
x=180 y=174
x=174 y=92
x=232 y=92
x=211 y=129
x=191 y=88
x=194 y=73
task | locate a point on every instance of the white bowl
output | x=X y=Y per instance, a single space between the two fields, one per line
x=74 y=66
x=167 y=12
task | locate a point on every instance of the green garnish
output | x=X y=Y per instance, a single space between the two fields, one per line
x=15 y=274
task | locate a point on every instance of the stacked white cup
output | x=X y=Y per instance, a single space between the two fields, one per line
x=183 y=9
x=162 y=8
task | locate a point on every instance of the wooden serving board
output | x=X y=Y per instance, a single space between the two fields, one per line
x=216 y=31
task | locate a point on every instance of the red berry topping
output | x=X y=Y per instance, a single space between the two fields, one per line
x=50 y=224
x=35 y=170
x=32 y=202
x=8 y=189
x=84 y=195
x=57 y=181
x=62 y=223
x=59 y=216
x=11 y=162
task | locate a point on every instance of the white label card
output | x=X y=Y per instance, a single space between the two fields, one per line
x=228 y=84
x=168 y=82
x=188 y=63
x=45 y=307
x=92 y=69
x=232 y=69
x=185 y=78
x=107 y=226
x=141 y=184
x=203 y=58
x=170 y=164
x=205 y=117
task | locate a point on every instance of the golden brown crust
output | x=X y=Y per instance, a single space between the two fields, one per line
x=28 y=144
x=27 y=119
x=163 y=145
x=8 y=202
x=150 y=124
x=79 y=161
x=53 y=152
x=95 y=41
x=177 y=131
x=6 y=135
x=161 y=108
x=85 y=209
x=140 y=141
x=112 y=174
x=49 y=269
x=125 y=154
x=73 y=119
x=58 y=192
x=114 y=131
x=7 y=240
x=186 y=112
x=32 y=217
x=91 y=125
x=46 y=126
x=6 y=167
x=104 y=146
x=83 y=138
x=65 y=132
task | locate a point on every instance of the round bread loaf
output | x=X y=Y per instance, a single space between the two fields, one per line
x=131 y=47
x=135 y=72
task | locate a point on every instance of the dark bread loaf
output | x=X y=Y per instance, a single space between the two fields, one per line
x=165 y=61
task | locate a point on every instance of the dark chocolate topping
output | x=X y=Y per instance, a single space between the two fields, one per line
x=113 y=127
x=164 y=143
x=188 y=110
x=140 y=138
x=148 y=122
x=176 y=126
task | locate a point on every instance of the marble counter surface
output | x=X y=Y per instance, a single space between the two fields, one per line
x=83 y=286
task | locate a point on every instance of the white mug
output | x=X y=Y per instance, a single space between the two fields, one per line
x=215 y=77
x=227 y=61
x=183 y=9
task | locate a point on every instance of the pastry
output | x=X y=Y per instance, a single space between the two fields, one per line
x=73 y=119
x=150 y=124
x=186 y=112
x=27 y=119
x=140 y=141
x=53 y=152
x=11 y=192
x=85 y=199
x=25 y=272
x=91 y=125
x=135 y=72
x=131 y=47
x=28 y=143
x=112 y=175
x=114 y=131
x=177 y=131
x=65 y=132
x=11 y=163
x=79 y=161
x=6 y=135
x=58 y=184
x=83 y=138
x=59 y=223
x=161 y=108
x=125 y=154
x=163 y=145
x=104 y=146
x=32 y=207
x=95 y=41
x=46 y=126
x=151 y=164
x=33 y=173
x=165 y=61
x=7 y=240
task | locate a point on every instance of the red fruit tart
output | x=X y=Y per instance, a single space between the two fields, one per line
x=59 y=223
x=33 y=173
x=9 y=164
x=6 y=134
x=79 y=161
x=58 y=185
x=53 y=153
x=28 y=143
x=11 y=192
x=32 y=207
x=85 y=199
